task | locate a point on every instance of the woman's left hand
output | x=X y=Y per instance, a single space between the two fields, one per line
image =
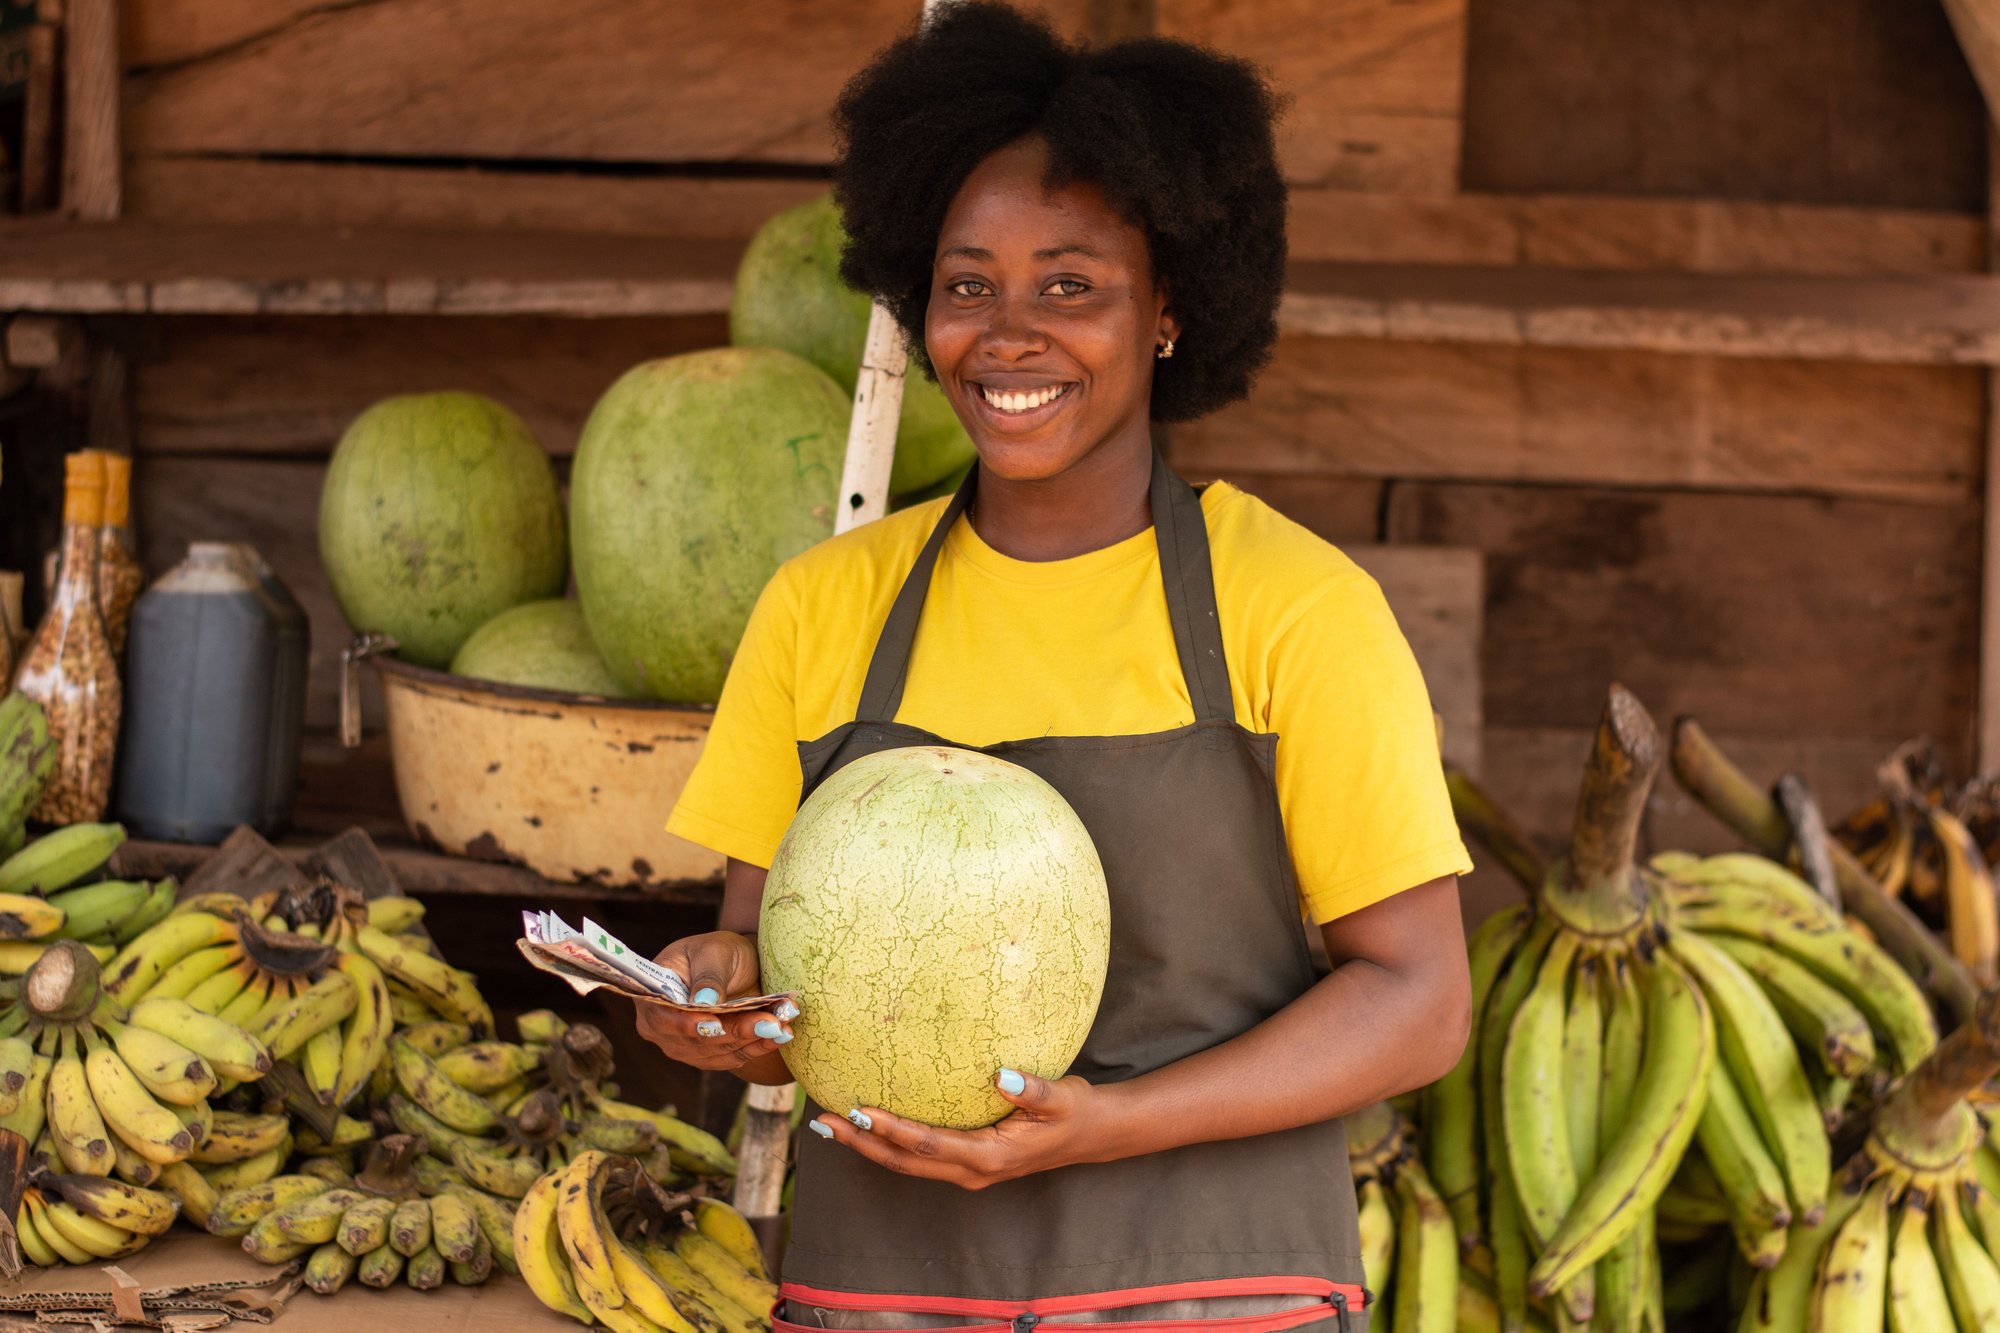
x=1058 y=1123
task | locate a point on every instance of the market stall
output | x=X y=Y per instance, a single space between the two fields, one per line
x=1618 y=350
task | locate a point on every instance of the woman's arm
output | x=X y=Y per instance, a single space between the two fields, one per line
x=1393 y=1015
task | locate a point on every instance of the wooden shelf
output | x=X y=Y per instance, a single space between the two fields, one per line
x=137 y=268
x=422 y=874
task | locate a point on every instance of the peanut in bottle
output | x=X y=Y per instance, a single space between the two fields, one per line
x=68 y=666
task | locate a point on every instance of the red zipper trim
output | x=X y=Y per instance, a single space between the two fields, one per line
x=1007 y=1311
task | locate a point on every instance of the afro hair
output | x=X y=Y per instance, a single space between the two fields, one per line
x=1178 y=138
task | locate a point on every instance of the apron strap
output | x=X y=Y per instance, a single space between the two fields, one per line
x=1182 y=535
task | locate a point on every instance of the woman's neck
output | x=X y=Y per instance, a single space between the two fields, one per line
x=1099 y=502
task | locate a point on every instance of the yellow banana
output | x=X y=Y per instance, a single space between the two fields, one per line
x=26 y=918
x=178 y=981
x=17 y=956
x=580 y=1218
x=319 y=1062
x=37 y=1250
x=1971 y=920
x=1752 y=1185
x=137 y=966
x=100 y=1240
x=496 y=1224
x=228 y=1049
x=646 y=1294
x=170 y=1071
x=380 y=1267
x=1970 y=1276
x=60 y=858
x=1639 y=1159
x=69 y=1251
x=485 y=1067
x=234 y=1136
x=73 y=1119
x=1820 y=1018
x=410 y=1226
x=1583 y=1064
x=365 y=1226
x=1917 y=1299
x=196 y=1193
x=429 y=1088
x=115 y=1203
x=1533 y=1094
x=365 y=1034
x=265 y=1243
x=1378 y=1232
x=693 y=1148
x=329 y=1269
x=222 y=992
x=289 y=1023
x=435 y=1036
x=454 y=1227
x=150 y=1129
x=236 y=1211
x=315 y=1219
x=393 y=914
x=425 y=1269
x=1426 y=1260
x=1765 y=1064
x=538 y=1250
x=440 y=985
x=1852 y=1288
x=130 y=1167
x=731 y=1230
x=507 y=1177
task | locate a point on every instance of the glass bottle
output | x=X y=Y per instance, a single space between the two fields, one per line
x=119 y=578
x=11 y=638
x=68 y=667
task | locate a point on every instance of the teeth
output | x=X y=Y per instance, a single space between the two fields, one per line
x=1022 y=402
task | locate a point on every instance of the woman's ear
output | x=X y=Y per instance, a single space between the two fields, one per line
x=1170 y=325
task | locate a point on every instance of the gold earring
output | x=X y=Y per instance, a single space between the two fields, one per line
x=1165 y=351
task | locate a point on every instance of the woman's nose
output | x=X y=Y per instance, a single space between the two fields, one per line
x=1012 y=330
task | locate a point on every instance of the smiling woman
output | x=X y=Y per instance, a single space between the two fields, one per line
x=1078 y=244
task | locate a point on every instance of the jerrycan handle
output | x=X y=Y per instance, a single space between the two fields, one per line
x=352 y=656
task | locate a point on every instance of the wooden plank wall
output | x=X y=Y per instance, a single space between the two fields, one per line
x=1789 y=549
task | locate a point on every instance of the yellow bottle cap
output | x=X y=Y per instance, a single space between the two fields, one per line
x=117 y=489
x=83 y=488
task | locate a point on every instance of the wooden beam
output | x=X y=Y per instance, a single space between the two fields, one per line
x=38 y=119
x=1987 y=707
x=92 y=143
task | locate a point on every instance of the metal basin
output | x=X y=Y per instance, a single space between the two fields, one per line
x=571 y=786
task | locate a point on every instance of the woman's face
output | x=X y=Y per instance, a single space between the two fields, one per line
x=1044 y=317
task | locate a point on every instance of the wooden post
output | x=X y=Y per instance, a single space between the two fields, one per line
x=38 y=121
x=764 y=1157
x=92 y=172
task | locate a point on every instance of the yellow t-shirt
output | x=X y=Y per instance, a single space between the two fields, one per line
x=1008 y=649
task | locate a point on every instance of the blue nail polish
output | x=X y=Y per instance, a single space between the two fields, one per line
x=782 y=1038
x=787 y=1011
x=860 y=1119
x=1011 y=1083
x=819 y=1129
x=768 y=1030
x=706 y=995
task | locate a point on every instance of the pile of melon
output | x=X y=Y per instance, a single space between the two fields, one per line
x=442 y=520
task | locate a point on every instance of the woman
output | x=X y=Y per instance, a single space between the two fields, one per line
x=1077 y=245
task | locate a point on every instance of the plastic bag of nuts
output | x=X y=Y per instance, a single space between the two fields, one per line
x=68 y=667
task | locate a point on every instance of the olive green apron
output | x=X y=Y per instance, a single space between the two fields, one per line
x=1206 y=943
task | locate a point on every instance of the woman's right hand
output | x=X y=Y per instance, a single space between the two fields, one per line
x=725 y=963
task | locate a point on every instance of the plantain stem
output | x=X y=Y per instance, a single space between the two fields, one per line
x=1712 y=779
x=1483 y=819
x=1597 y=889
x=1960 y=1065
x=63 y=984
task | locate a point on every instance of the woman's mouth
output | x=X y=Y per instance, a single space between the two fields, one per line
x=1022 y=403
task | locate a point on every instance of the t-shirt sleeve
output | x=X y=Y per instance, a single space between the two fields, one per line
x=745 y=787
x=1360 y=783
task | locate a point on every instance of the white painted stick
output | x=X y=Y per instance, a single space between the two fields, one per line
x=878 y=407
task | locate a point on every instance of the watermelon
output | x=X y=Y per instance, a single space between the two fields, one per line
x=439 y=511
x=940 y=914
x=696 y=476
x=544 y=645
x=789 y=294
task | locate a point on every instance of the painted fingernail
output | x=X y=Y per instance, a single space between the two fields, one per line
x=787 y=1011
x=706 y=995
x=860 y=1119
x=824 y=1131
x=708 y=1027
x=1011 y=1083
x=768 y=1030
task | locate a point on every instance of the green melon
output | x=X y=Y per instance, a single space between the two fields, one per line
x=940 y=914
x=439 y=511
x=544 y=645
x=695 y=478
x=789 y=294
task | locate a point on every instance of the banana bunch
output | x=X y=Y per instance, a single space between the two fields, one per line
x=501 y=1114
x=1629 y=1014
x=1409 y=1247
x=43 y=898
x=378 y=1226
x=85 y=1219
x=27 y=762
x=603 y=1242
x=105 y=1089
x=1911 y=1236
x=1919 y=840
x=310 y=971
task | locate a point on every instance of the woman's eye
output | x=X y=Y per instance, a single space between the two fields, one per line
x=1068 y=287
x=969 y=287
